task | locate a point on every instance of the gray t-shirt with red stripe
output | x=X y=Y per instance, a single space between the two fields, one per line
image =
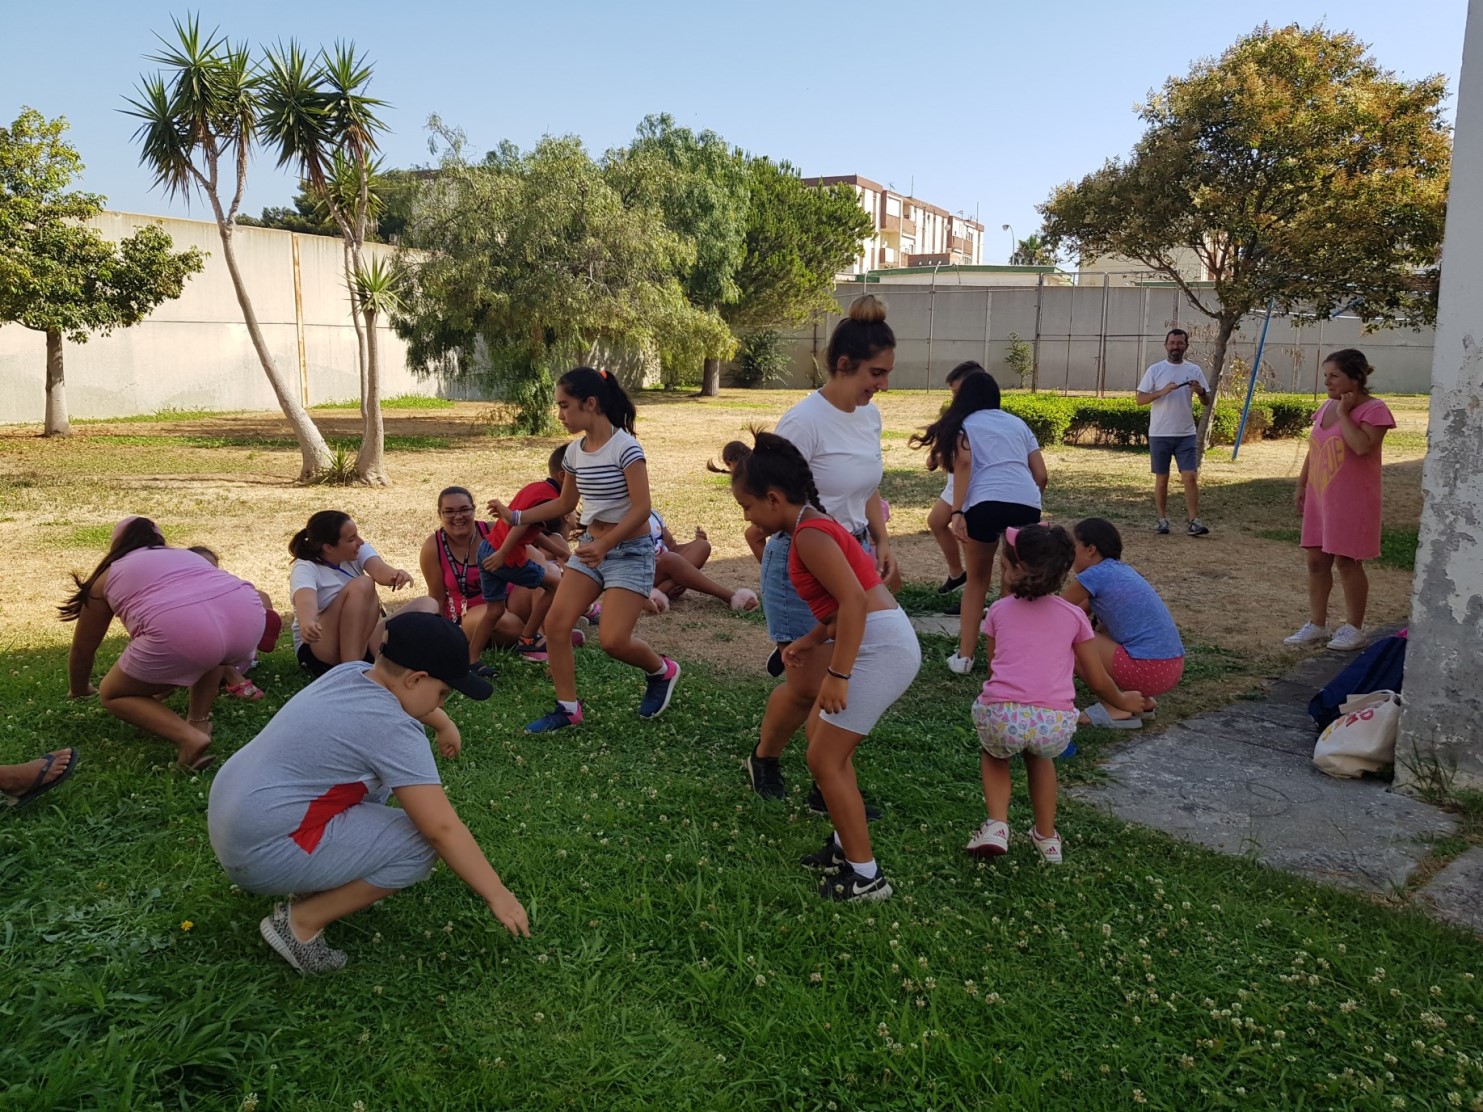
x=342 y=740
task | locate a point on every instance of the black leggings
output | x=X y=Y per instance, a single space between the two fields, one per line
x=986 y=521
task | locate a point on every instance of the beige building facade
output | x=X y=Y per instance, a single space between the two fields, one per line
x=908 y=232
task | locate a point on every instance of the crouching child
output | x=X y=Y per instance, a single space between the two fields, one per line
x=303 y=807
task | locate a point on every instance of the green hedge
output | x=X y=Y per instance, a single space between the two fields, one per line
x=1122 y=422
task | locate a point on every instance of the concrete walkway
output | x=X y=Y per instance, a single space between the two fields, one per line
x=1241 y=780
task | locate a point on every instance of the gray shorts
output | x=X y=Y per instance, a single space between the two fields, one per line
x=889 y=658
x=629 y=564
x=1181 y=448
x=370 y=842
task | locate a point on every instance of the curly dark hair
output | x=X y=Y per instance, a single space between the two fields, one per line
x=1044 y=555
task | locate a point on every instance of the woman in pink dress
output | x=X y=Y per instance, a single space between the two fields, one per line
x=1338 y=498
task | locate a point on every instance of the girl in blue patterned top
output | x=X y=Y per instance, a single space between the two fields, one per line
x=614 y=559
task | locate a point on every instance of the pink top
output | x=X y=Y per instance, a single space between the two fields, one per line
x=1341 y=510
x=150 y=581
x=1034 y=651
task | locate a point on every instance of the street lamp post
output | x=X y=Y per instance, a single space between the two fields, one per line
x=1013 y=243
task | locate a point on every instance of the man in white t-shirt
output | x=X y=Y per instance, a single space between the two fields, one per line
x=1168 y=388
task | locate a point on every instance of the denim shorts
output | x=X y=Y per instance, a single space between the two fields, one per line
x=788 y=616
x=495 y=585
x=629 y=564
x=1181 y=448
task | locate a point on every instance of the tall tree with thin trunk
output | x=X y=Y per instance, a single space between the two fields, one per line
x=198 y=121
x=1295 y=168
x=378 y=294
x=57 y=275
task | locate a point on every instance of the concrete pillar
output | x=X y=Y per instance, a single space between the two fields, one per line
x=1441 y=743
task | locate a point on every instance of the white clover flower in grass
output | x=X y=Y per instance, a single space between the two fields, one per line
x=249 y=1103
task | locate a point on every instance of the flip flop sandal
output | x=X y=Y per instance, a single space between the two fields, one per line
x=1097 y=716
x=38 y=787
x=245 y=690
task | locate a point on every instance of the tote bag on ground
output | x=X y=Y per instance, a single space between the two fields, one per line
x=1362 y=738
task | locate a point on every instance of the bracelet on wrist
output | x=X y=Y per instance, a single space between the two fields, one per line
x=839 y=675
x=514 y=517
x=957 y=513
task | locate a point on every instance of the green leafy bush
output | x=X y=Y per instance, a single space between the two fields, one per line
x=1292 y=414
x=1117 y=422
x=761 y=360
x=1228 y=418
x=1021 y=359
x=1048 y=416
x=1123 y=423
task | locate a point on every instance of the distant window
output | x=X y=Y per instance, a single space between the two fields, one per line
x=893 y=206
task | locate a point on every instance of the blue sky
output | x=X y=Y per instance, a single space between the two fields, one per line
x=979 y=106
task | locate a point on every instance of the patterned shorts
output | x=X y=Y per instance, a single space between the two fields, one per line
x=1005 y=729
x=1147 y=677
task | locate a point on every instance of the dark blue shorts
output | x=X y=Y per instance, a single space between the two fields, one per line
x=496 y=585
x=1162 y=449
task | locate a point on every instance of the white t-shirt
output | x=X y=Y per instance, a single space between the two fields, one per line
x=1001 y=445
x=328 y=580
x=1173 y=414
x=843 y=451
x=600 y=478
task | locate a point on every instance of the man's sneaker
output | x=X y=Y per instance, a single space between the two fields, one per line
x=846 y=885
x=1197 y=528
x=532 y=649
x=310 y=957
x=959 y=665
x=952 y=583
x=991 y=840
x=558 y=719
x=1162 y=527
x=766 y=774
x=775 y=662
x=658 y=689
x=954 y=608
x=817 y=805
x=827 y=860
x=1307 y=635
x=1050 y=848
x=1347 y=639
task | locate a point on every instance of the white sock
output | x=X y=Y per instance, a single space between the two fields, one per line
x=837 y=841
x=663 y=667
x=571 y=706
x=865 y=870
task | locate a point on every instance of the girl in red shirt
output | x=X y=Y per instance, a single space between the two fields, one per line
x=872 y=650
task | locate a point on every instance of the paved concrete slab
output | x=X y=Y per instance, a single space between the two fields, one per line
x=1456 y=893
x=944 y=625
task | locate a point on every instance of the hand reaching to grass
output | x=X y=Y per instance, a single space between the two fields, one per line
x=506 y=908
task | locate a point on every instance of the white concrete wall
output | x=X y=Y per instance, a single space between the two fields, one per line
x=1441 y=744
x=194 y=352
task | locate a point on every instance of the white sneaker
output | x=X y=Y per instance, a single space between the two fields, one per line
x=1050 y=848
x=1307 y=635
x=959 y=665
x=991 y=840
x=1346 y=639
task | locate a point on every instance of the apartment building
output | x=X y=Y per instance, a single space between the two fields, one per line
x=909 y=231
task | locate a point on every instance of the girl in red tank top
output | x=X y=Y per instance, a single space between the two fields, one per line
x=863 y=646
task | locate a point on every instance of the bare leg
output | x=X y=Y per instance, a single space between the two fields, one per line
x=540 y=604
x=486 y=620
x=377 y=638
x=1356 y=586
x=674 y=575
x=980 y=564
x=1161 y=495
x=345 y=625
x=1106 y=649
x=134 y=702
x=574 y=594
x=1320 y=585
x=939 y=518
x=1041 y=772
x=1191 y=481
x=309 y=916
x=830 y=753
x=791 y=701
x=995 y=771
x=620 y=613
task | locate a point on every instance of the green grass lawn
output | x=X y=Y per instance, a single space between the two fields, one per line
x=1397 y=544
x=680 y=957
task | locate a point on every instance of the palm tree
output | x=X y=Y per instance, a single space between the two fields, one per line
x=1032 y=251
x=199 y=122
x=318 y=118
x=378 y=294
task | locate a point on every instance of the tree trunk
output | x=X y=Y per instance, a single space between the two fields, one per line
x=56 y=391
x=360 y=331
x=710 y=380
x=370 y=461
x=314 y=453
x=1226 y=327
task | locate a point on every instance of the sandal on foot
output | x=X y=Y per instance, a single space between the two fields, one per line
x=1096 y=715
x=245 y=690
x=41 y=785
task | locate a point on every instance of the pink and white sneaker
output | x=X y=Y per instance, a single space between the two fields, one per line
x=1050 y=848
x=991 y=840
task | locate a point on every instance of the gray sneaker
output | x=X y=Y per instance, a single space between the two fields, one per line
x=1162 y=528
x=1197 y=528
x=308 y=958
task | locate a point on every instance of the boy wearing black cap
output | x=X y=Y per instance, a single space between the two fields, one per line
x=302 y=807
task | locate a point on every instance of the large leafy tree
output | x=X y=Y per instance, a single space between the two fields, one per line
x=198 y=120
x=531 y=261
x=797 y=239
x=699 y=185
x=59 y=276
x=1295 y=168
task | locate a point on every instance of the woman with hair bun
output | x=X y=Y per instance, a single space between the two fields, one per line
x=838 y=432
x=186 y=620
x=1338 y=498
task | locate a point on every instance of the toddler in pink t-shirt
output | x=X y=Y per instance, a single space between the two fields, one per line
x=1036 y=641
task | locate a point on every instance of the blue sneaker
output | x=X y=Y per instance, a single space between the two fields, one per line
x=558 y=719
x=658 y=690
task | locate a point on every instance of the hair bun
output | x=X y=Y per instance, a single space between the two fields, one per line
x=867 y=309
